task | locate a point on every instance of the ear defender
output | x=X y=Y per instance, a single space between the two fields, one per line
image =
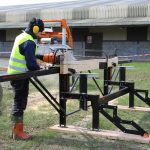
x=35 y=29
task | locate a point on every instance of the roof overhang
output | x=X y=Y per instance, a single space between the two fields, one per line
x=110 y=22
x=87 y=22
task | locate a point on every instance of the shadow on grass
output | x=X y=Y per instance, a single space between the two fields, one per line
x=145 y=121
x=83 y=140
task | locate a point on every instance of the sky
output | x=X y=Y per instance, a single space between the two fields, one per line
x=21 y=2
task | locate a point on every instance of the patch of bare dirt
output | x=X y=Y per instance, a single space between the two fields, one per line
x=36 y=100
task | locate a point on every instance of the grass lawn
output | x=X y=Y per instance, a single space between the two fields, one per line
x=40 y=115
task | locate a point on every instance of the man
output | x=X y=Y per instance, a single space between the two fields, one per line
x=54 y=40
x=22 y=59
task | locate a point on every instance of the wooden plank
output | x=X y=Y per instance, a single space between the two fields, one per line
x=3 y=69
x=104 y=133
x=140 y=109
x=84 y=65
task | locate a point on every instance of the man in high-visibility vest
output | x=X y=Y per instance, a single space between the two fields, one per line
x=22 y=59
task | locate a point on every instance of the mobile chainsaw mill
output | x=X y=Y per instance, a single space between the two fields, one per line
x=62 y=61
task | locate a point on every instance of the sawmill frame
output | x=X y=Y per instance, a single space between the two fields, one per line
x=99 y=102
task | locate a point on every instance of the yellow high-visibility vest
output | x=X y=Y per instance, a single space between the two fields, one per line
x=17 y=62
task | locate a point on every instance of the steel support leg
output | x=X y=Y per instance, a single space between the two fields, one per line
x=122 y=74
x=131 y=96
x=95 y=114
x=63 y=87
x=83 y=90
x=107 y=76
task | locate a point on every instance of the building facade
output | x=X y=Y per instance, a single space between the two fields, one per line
x=98 y=26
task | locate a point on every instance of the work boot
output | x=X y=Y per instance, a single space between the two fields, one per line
x=19 y=133
x=18 y=129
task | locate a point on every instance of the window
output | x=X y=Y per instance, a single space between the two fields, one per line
x=94 y=41
x=137 y=33
x=79 y=34
x=2 y=35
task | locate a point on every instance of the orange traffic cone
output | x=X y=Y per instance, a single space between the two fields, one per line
x=18 y=132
